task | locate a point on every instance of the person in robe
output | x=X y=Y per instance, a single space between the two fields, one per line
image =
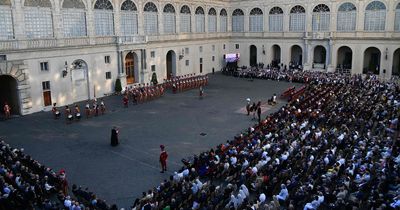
x=114 y=136
x=259 y=111
x=7 y=111
x=163 y=159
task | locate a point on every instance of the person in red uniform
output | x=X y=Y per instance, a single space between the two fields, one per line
x=125 y=100
x=163 y=159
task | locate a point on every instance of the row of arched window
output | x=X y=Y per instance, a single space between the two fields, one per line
x=39 y=23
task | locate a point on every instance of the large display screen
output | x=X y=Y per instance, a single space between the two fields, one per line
x=229 y=58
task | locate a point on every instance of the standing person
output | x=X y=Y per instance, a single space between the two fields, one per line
x=7 y=111
x=125 y=100
x=163 y=159
x=102 y=107
x=64 y=183
x=87 y=110
x=77 y=112
x=55 y=111
x=114 y=136
x=201 y=92
x=254 y=110
x=259 y=111
x=248 y=106
x=68 y=114
x=95 y=107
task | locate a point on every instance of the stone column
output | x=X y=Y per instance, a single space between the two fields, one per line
x=329 y=55
x=140 y=19
x=286 y=19
x=229 y=17
x=177 y=21
x=333 y=17
x=117 y=19
x=309 y=10
x=192 y=20
x=19 y=20
x=266 y=19
x=390 y=16
x=160 y=20
x=57 y=24
x=246 y=21
x=360 y=16
x=307 y=55
x=90 y=22
x=206 y=19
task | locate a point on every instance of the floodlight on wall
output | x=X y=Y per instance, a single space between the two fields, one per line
x=386 y=54
x=65 y=70
x=181 y=55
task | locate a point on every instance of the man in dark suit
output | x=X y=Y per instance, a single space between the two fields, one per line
x=114 y=137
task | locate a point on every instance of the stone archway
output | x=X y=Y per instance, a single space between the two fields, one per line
x=131 y=67
x=80 y=80
x=9 y=93
x=319 y=61
x=396 y=63
x=372 y=60
x=17 y=89
x=171 y=64
x=344 y=58
x=296 y=55
x=276 y=55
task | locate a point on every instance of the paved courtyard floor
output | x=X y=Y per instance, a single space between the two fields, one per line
x=121 y=174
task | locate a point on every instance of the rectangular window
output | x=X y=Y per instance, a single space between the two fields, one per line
x=38 y=22
x=187 y=62
x=152 y=54
x=223 y=46
x=129 y=22
x=201 y=48
x=46 y=85
x=107 y=59
x=186 y=50
x=44 y=66
x=213 y=58
x=104 y=22
x=3 y=57
x=74 y=22
x=237 y=46
x=108 y=75
x=6 y=24
x=153 y=68
x=213 y=47
x=201 y=60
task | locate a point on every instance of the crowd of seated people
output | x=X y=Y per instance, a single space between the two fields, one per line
x=27 y=184
x=333 y=147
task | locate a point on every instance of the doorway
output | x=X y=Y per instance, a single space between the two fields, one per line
x=9 y=93
x=171 y=64
x=253 y=55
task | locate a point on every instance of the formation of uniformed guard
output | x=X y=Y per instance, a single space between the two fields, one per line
x=187 y=82
x=142 y=93
x=74 y=113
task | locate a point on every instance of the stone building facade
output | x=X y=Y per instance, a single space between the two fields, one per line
x=66 y=51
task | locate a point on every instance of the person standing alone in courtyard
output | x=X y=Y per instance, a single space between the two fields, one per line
x=7 y=111
x=163 y=159
x=114 y=136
